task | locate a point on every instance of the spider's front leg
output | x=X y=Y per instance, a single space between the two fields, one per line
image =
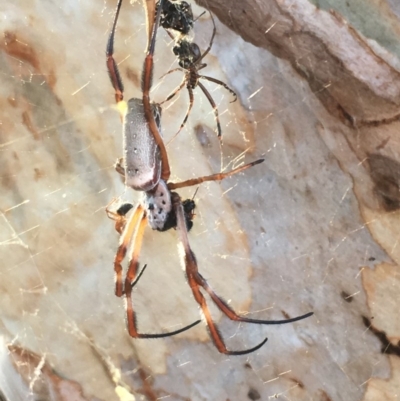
x=112 y=67
x=147 y=78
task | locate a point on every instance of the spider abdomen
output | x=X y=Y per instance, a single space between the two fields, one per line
x=142 y=163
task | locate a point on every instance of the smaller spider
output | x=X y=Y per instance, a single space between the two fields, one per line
x=190 y=62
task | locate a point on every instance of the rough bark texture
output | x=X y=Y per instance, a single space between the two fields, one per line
x=315 y=227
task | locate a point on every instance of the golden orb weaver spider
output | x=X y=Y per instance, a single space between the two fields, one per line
x=145 y=167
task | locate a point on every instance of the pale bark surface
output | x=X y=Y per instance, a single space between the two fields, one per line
x=315 y=227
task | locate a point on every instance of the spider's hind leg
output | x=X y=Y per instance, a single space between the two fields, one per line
x=195 y=281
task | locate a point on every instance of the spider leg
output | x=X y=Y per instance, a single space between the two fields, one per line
x=199 y=16
x=211 y=41
x=191 y=101
x=214 y=106
x=131 y=280
x=150 y=9
x=213 y=177
x=176 y=90
x=196 y=281
x=138 y=276
x=223 y=84
x=124 y=242
x=112 y=67
x=231 y=314
x=170 y=72
x=147 y=77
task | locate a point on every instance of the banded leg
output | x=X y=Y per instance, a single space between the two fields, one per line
x=231 y=314
x=213 y=177
x=176 y=91
x=220 y=83
x=124 y=242
x=147 y=77
x=170 y=72
x=213 y=105
x=191 y=101
x=211 y=41
x=196 y=280
x=112 y=67
x=132 y=278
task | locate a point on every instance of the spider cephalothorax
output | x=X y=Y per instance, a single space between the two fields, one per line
x=187 y=52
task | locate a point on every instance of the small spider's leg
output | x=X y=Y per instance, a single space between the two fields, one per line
x=131 y=280
x=200 y=67
x=199 y=16
x=170 y=35
x=214 y=106
x=213 y=177
x=218 y=82
x=191 y=101
x=177 y=89
x=147 y=77
x=112 y=67
x=211 y=41
x=194 y=280
x=124 y=242
x=171 y=71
